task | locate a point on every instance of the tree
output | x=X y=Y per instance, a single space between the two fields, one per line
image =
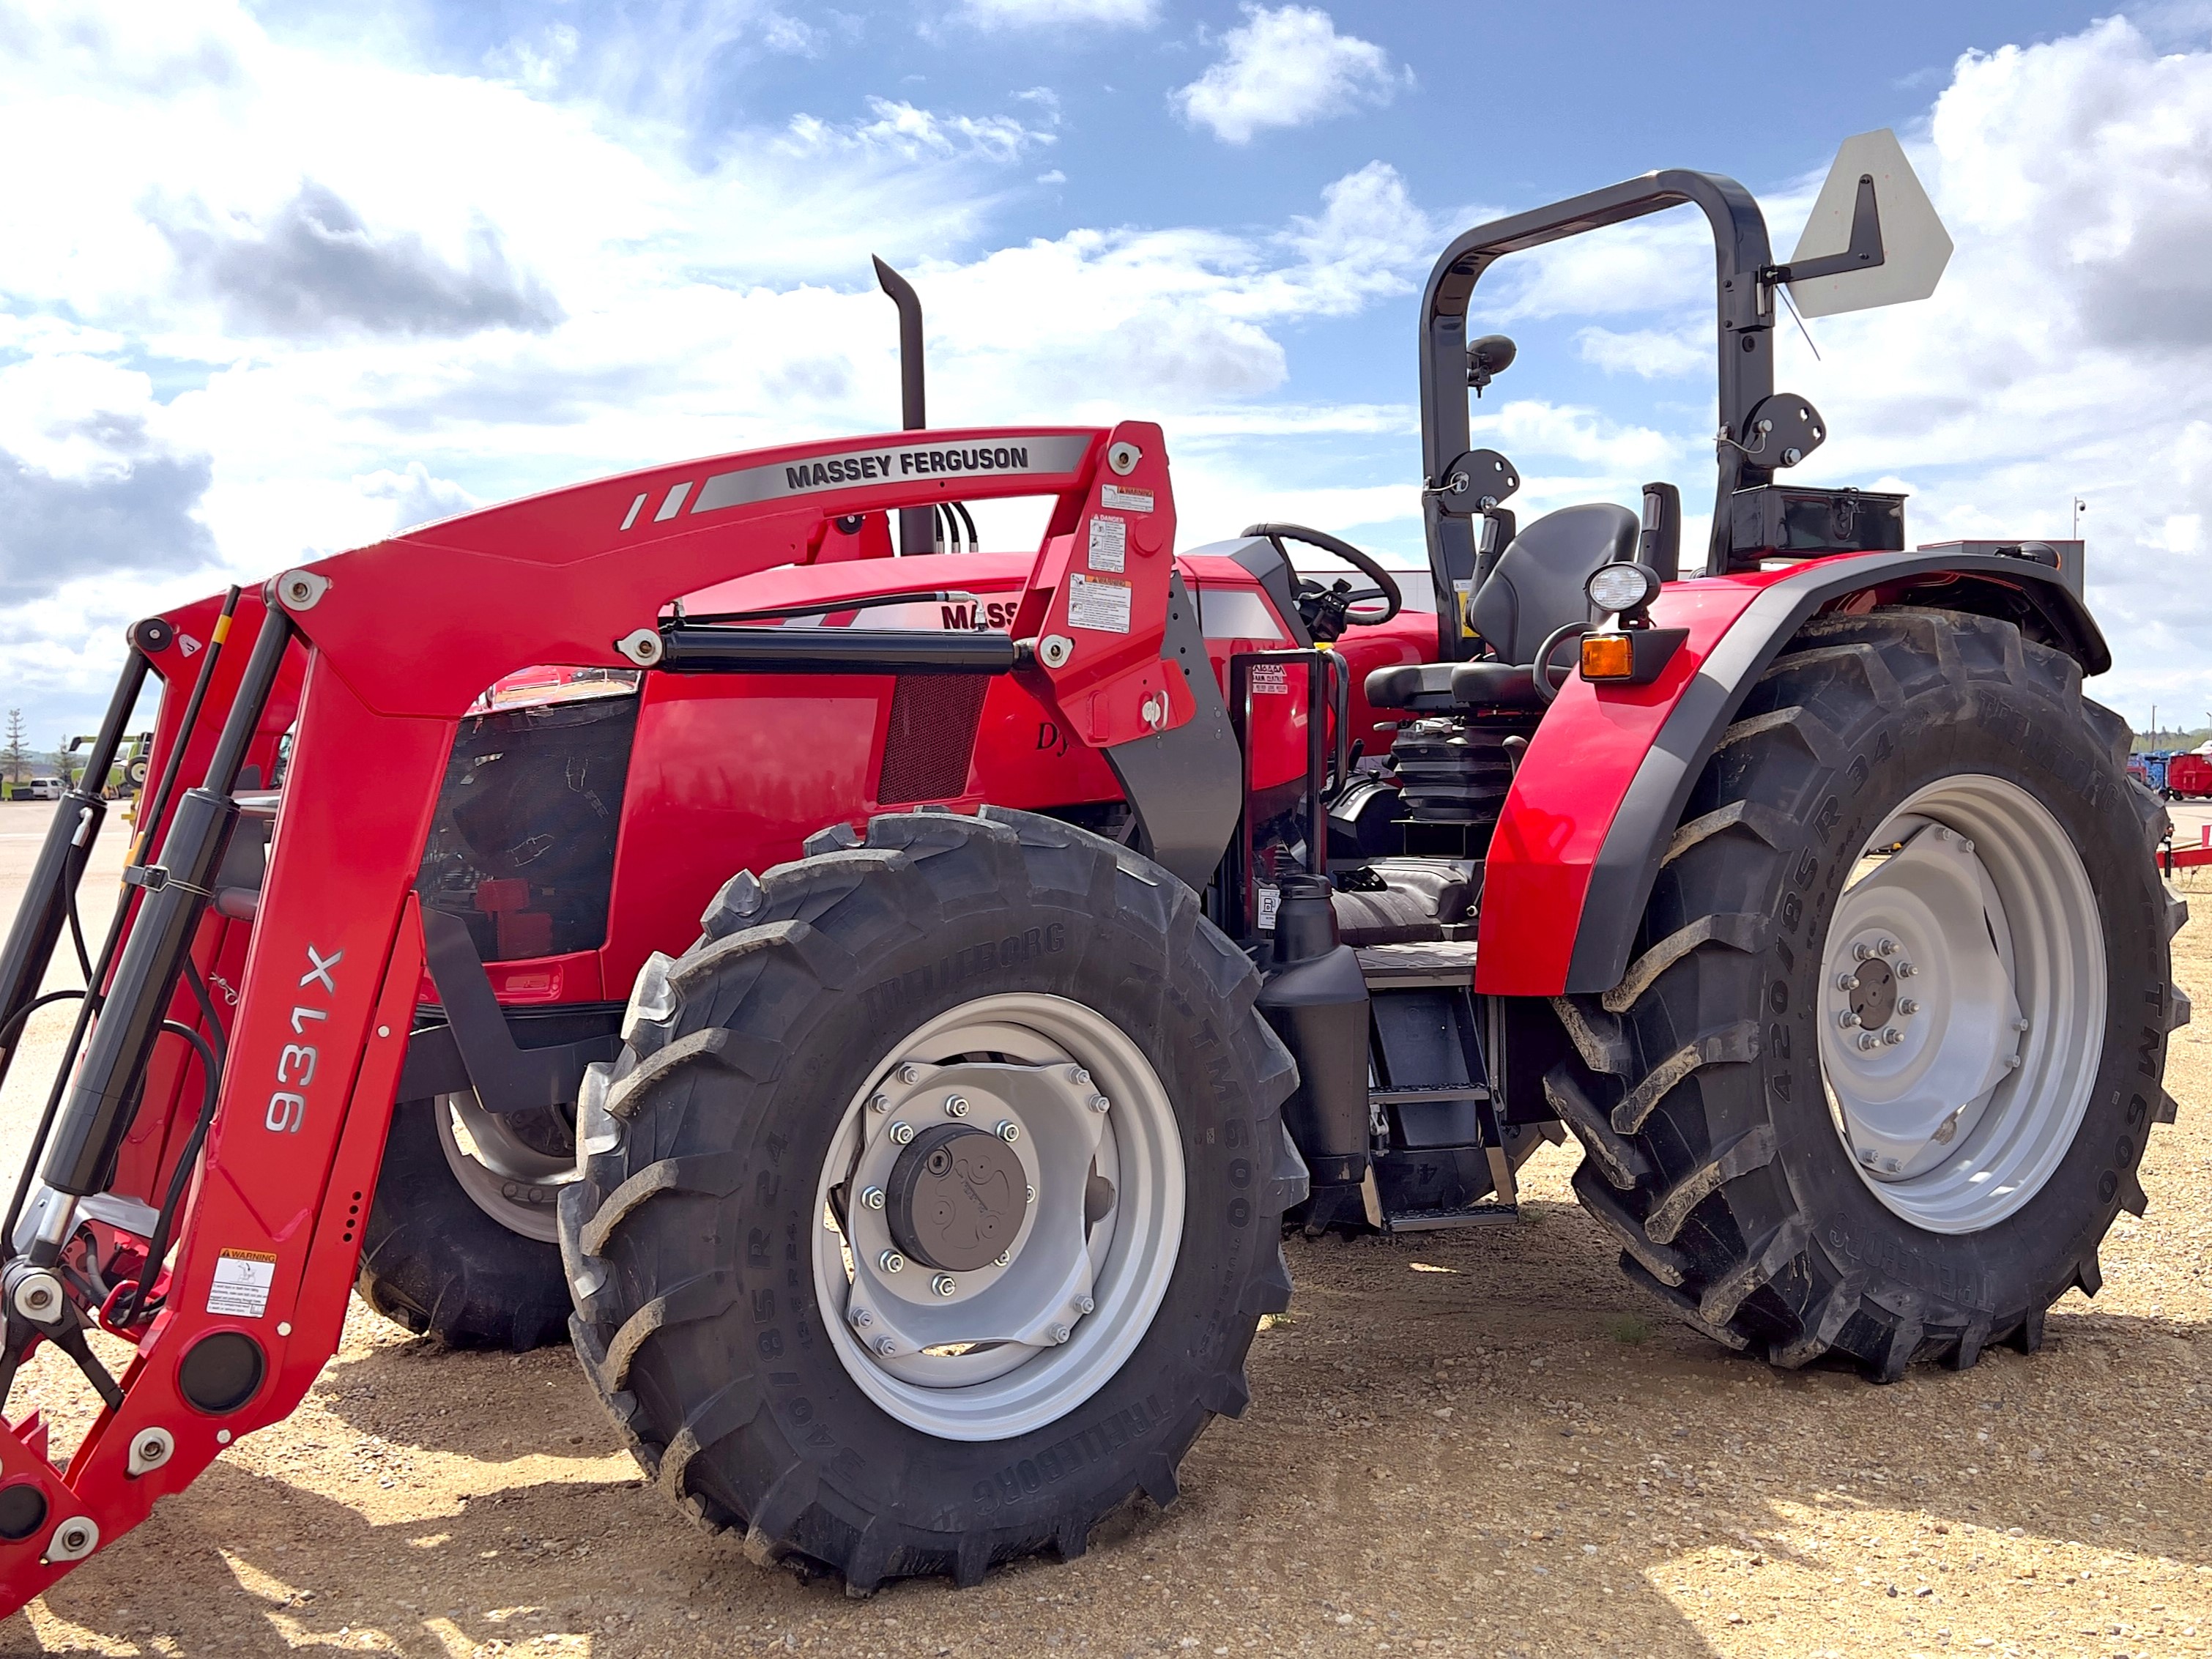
x=65 y=764
x=13 y=754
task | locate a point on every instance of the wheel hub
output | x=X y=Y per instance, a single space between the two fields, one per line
x=955 y=1197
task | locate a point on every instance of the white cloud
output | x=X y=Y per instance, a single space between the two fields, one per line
x=1650 y=352
x=1284 y=68
x=1059 y=14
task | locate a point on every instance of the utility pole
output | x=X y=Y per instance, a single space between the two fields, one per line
x=2080 y=508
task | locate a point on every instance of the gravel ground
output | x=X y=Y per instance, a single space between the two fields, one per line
x=1480 y=1444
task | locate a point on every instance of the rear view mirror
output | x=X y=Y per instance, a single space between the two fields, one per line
x=1913 y=246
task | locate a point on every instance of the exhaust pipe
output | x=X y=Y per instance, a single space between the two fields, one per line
x=917 y=525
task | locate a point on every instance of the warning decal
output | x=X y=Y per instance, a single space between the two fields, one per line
x=1098 y=603
x=1109 y=543
x=1128 y=501
x=242 y=1279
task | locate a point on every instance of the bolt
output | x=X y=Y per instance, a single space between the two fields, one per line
x=1847 y=982
x=2012 y=1062
x=1076 y=1074
x=944 y=1284
x=1866 y=1156
x=1029 y=1194
x=1868 y=1040
x=1083 y=1304
x=873 y=1198
x=1061 y=1332
x=1908 y=1006
x=1099 y=1103
x=902 y=1132
x=1003 y=1257
x=1965 y=846
x=1847 y=1019
x=1892 y=1037
x=879 y=1103
x=954 y=1106
x=908 y=1073
x=39 y=1297
x=1861 y=950
x=2020 y=1025
x=1010 y=1132
x=1887 y=947
x=891 y=1261
x=1905 y=970
x=862 y=1319
x=885 y=1346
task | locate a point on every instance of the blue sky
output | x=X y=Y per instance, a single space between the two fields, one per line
x=290 y=276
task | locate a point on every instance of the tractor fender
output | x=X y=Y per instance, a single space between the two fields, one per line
x=1605 y=779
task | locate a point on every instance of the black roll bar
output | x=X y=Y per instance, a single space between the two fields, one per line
x=1744 y=316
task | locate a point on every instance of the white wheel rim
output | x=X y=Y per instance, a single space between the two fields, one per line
x=1075 y=1293
x=1962 y=1004
x=516 y=1184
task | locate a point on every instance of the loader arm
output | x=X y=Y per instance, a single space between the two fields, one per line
x=371 y=658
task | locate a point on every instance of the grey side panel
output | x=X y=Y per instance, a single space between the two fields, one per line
x=1186 y=786
x=1628 y=862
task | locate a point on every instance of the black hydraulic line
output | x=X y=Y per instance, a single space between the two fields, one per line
x=157 y=1241
x=834 y=651
x=215 y=1033
x=49 y=895
x=149 y=821
x=97 y=1112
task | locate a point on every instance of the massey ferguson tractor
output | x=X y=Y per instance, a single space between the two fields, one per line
x=886 y=997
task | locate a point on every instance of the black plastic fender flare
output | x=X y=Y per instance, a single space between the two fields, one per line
x=2017 y=590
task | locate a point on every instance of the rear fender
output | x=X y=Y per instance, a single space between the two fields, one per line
x=1609 y=771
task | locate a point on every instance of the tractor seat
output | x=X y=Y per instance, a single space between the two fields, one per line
x=1535 y=588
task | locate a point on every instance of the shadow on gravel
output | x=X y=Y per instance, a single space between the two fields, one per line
x=1481 y=1444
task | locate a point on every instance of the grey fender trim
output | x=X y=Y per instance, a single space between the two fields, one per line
x=1628 y=861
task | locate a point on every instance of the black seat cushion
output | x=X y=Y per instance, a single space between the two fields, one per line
x=1398 y=687
x=1537 y=585
x=1437 y=686
x=1488 y=684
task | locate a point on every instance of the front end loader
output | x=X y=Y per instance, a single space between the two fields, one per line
x=900 y=1004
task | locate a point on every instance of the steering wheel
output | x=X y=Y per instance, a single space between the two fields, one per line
x=1324 y=608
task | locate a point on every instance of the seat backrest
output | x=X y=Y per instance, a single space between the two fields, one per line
x=1537 y=584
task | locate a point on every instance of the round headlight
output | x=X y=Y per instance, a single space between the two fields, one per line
x=1620 y=587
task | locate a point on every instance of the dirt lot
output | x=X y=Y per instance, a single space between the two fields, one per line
x=1486 y=1444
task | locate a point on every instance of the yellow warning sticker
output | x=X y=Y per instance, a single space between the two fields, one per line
x=242 y=1281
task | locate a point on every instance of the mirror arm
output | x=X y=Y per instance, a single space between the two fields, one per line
x=1864 y=253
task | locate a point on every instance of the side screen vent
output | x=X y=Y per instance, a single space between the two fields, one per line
x=931 y=736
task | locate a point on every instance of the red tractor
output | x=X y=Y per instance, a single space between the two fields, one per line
x=1068 y=919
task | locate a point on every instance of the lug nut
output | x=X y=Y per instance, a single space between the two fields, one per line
x=945 y=1285
x=908 y=1073
x=902 y=1132
x=2020 y=1025
x=1866 y=1156
x=1908 y=1006
x=891 y=1261
x=1083 y=1304
x=1076 y=1074
x=873 y=1198
x=1099 y=1103
x=2012 y=1062
x=1029 y=1194
x=1868 y=1040
x=1003 y=1257
x=885 y=1346
x=862 y=1319
x=1061 y=1332
x=954 y=1106
x=879 y=1103
x=1861 y=950
x=1847 y=982
x=1965 y=846
x=1847 y=1019
x=1892 y=1037
x=1905 y=970
x=1010 y=1132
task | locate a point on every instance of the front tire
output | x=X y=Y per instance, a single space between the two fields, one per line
x=1879 y=1076
x=729 y=1244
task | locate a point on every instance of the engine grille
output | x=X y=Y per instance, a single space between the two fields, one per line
x=931 y=736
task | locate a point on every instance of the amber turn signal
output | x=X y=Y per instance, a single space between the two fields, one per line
x=1608 y=657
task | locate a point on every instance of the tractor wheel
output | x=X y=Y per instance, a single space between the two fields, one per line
x=461 y=1242
x=929 y=1210
x=1879 y=1076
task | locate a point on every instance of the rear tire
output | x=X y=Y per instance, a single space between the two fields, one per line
x=722 y=1253
x=1751 y=1129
